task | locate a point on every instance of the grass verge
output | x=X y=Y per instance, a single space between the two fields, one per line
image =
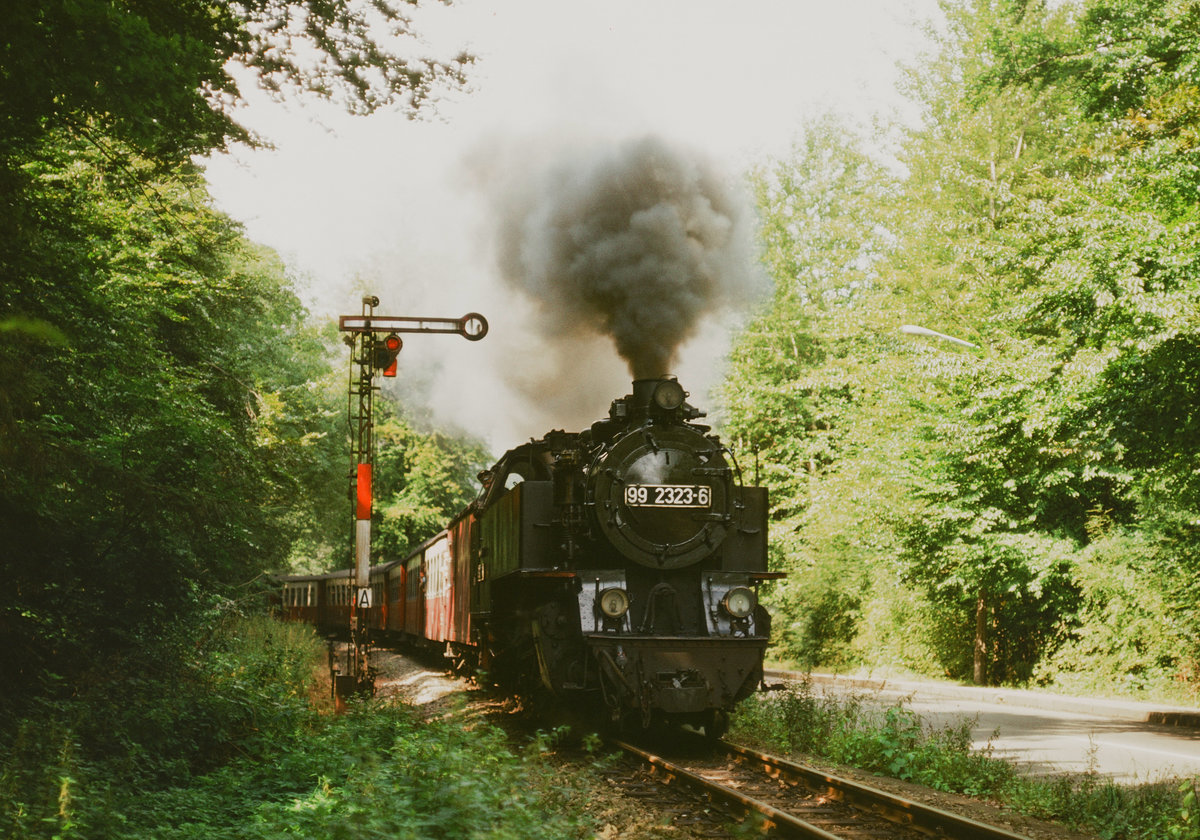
x=895 y=741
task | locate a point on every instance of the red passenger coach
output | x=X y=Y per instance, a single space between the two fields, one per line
x=385 y=614
x=394 y=605
x=300 y=600
x=339 y=590
x=321 y=600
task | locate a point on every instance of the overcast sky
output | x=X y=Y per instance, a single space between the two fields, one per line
x=384 y=202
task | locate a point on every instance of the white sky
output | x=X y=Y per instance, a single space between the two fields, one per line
x=379 y=203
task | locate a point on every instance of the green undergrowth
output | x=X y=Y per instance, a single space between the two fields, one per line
x=374 y=772
x=895 y=741
x=229 y=745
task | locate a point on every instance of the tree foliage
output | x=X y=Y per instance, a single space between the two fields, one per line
x=151 y=443
x=168 y=430
x=160 y=76
x=793 y=388
x=425 y=478
x=1047 y=213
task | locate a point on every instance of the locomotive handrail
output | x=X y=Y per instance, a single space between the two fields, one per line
x=736 y=466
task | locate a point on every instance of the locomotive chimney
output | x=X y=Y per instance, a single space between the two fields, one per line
x=643 y=391
x=660 y=398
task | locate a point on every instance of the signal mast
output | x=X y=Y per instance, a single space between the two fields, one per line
x=375 y=344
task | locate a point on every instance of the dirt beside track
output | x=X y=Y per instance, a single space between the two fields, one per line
x=419 y=684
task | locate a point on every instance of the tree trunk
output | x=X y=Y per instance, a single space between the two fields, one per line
x=980 y=640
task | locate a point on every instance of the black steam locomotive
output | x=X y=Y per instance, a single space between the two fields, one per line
x=619 y=565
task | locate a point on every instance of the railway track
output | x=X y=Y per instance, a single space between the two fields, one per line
x=788 y=799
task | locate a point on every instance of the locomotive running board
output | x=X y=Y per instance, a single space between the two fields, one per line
x=559 y=574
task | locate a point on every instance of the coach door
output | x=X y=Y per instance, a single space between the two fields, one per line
x=438 y=572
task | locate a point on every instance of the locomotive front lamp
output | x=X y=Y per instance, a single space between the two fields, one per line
x=668 y=395
x=739 y=602
x=613 y=602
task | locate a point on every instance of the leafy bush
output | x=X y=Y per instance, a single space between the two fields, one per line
x=374 y=772
x=142 y=721
x=1122 y=645
x=824 y=621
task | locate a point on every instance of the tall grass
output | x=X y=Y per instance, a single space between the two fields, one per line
x=894 y=740
x=222 y=742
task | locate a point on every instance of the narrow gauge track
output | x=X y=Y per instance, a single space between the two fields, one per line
x=797 y=801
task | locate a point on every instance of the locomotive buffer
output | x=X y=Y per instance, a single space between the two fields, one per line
x=375 y=344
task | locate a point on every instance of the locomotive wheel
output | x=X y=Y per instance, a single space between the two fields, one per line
x=716 y=725
x=624 y=723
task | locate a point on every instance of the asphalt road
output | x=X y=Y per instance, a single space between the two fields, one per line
x=1047 y=733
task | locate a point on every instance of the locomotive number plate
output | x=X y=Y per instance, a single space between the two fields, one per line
x=668 y=495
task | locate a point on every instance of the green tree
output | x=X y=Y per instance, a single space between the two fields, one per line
x=822 y=232
x=165 y=429
x=793 y=388
x=1108 y=261
x=144 y=457
x=1001 y=485
x=160 y=77
x=1047 y=215
x=423 y=480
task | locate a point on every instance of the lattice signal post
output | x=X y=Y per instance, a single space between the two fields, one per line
x=375 y=344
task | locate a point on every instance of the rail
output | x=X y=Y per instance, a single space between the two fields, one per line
x=793 y=800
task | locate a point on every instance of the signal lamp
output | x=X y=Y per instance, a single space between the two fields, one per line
x=386 y=353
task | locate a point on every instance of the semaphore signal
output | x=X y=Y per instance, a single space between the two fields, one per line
x=375 y=344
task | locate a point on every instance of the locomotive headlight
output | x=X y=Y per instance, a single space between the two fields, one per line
x=613 y=602
x=668 y=395
x=739 y=602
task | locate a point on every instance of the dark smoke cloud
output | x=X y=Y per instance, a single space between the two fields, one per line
x=638 y=242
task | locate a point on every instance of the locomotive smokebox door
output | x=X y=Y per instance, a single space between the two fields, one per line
x=662 y=496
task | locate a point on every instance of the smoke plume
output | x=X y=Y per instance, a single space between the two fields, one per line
x=638 y=243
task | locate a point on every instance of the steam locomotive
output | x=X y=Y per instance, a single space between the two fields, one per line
x=620 y=566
